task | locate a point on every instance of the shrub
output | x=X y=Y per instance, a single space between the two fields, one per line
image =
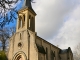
x=3 y=55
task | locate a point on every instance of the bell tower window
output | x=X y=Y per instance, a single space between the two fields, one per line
x=20 y=22
x=24 y=20
x=29 y=22
x=32 y=22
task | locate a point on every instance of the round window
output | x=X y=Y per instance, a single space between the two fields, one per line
x=19 y=44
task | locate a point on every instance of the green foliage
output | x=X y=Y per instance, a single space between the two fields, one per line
x=3 y=55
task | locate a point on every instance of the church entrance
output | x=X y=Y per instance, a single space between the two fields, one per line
x=19 y=56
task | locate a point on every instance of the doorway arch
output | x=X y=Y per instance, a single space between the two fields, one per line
x=20 y=56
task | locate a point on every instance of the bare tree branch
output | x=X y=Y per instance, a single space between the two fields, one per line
x=77 y=52
x=7 y=11
x=5 y=34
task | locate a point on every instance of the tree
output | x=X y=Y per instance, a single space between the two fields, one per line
x=77 y=52
x=5 y=34
x=8 y=11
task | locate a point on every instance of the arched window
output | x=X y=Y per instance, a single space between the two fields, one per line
x=31 y=23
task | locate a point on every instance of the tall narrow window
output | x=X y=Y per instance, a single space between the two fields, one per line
x=32 y=22
x=29 y=22
x=46 y=54
x=24 y=20
x=52 y=55
x=20 y=36
x=20 y=22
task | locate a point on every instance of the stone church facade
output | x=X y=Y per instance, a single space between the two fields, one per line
x=26 y=45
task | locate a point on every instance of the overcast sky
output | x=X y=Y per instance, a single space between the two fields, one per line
x=58 y=21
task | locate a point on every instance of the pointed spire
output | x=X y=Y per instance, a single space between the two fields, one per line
x=27 y=3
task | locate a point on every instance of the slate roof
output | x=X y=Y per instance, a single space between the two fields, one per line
x=27 y=3
x=65 y=50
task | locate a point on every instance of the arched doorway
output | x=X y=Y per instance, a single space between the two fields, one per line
x=20 y=56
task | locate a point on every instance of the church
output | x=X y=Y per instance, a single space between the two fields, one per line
x=26 y=45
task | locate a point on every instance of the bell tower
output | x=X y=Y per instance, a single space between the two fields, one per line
x=26 y=17
x=22 y=44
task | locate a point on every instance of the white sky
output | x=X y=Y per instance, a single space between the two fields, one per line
x=58 y=21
